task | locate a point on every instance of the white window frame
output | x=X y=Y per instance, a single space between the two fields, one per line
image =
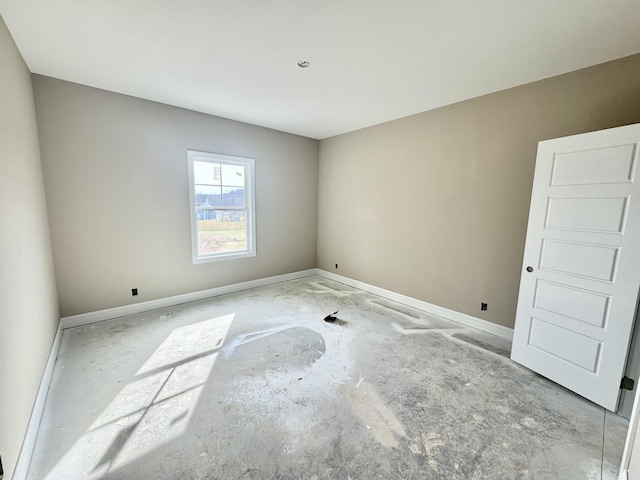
x=250 y=219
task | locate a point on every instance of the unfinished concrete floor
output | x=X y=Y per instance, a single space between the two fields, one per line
x=255 y=385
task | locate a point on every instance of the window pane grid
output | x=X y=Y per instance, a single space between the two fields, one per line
x=222 y=209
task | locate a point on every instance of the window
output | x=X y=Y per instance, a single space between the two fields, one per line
x=221 y=189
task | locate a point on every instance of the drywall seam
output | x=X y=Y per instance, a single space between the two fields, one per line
x=28 y=444
x=109 y=313
x=463 y=318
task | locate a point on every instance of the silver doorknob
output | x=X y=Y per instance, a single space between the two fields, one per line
x=529 y=269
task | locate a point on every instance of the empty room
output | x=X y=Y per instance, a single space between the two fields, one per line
x=319 y=239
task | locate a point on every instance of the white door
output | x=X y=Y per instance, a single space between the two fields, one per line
x=581 y=268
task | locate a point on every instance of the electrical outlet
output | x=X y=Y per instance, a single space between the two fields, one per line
x=134 y=292
x=336 y=266
x=483 y=306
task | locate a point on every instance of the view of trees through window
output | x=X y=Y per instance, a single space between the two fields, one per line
x=220 y=204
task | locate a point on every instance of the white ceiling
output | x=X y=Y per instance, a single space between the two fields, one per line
x=371 y=60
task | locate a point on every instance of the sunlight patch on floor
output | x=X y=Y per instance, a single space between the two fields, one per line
x=153 y=409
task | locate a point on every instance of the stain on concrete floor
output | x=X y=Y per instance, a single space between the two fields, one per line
x=256 y=385
x=487 y=342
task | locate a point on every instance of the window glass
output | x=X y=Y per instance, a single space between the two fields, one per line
x=222 y=206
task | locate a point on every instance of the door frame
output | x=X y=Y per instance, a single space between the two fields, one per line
x=628 y=454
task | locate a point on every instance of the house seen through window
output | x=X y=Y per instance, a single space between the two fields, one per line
x=222 y=206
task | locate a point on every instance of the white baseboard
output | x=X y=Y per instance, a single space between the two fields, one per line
x=463 y=318
x=26 y=452
x=109 y=313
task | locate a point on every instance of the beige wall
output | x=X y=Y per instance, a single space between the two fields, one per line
x=28 y=305
x=435 y=205
x=116 y=181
